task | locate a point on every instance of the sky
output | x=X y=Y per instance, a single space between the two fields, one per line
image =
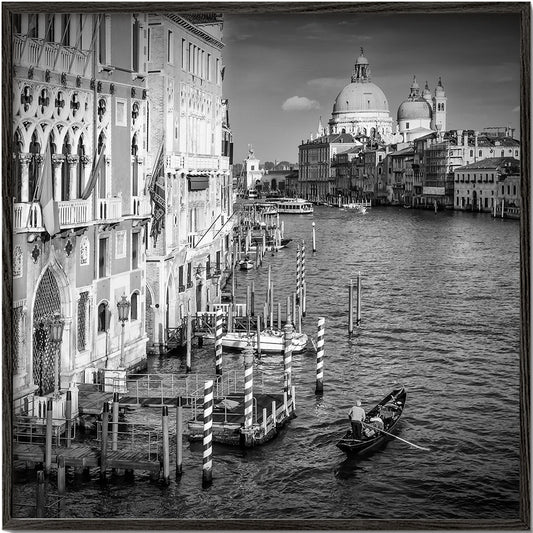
x=284 y=71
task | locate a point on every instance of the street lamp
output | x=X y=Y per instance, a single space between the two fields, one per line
x=123 y=314
x=56 y=325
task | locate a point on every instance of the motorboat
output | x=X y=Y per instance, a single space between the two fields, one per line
x=271 y=339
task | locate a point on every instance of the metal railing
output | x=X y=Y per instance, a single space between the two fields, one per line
x=133 y=437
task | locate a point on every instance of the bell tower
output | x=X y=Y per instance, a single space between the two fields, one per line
x=440 y=107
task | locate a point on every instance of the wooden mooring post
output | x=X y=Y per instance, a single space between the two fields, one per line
x=259 y=335
x=114 y=424
x=179 y=439
x=68 y=417
x=279 y=315
x=61 y=485
x=252 y=301
x=166 y=444
x=320 y=356
x=104 y=439
x=207 y=459
x=40 y=496
x=314 y=238
x=188 y=364
x=48 y=438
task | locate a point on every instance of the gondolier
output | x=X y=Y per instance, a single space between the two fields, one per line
x=356 y=416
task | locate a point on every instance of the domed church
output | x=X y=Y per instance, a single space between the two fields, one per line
x=422 y=113
x=361 y=108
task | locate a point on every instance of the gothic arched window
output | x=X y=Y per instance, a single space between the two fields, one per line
x=34 y=167
x=65 y=169
x=79 y=169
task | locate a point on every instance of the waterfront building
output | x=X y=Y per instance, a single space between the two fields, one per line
x=79 y=211
x=315 y=158
x=421 y=113
x=438 y=154
x=402 y=182
x=274 y=181
x=482 y=185
x=252 y=172
x=190 y=182
x=342 y=164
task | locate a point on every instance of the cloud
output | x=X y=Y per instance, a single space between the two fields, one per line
x=299 y=103
x=516 y=109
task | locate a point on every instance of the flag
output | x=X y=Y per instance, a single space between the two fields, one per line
x=95 y=172
x=49 y=207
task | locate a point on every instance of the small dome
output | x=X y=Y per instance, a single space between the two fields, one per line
x=361 y=60
x=414 y=109
x=360 y=97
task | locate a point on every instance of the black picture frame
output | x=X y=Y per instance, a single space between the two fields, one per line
x=523 y=10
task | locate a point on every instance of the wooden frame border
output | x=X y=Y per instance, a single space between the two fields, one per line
x=523 y=9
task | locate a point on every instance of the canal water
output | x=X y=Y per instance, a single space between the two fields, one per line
x=440 y=315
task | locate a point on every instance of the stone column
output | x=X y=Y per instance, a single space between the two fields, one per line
x=57 y=165
x=72 y=161
x=24 y=162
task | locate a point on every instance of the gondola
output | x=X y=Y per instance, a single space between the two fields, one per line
x=380 y=419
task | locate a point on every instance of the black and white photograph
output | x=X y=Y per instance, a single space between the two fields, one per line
x=266 y=265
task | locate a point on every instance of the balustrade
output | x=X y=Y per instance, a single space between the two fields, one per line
x=74 y=212
x=27 y=216
x=52 y=56
x=109 y=208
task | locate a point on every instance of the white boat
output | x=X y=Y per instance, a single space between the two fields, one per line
x=272 y=340
x=246 y=264
x=360 y=207
x=294 y=206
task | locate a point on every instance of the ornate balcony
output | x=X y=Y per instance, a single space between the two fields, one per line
x=140 y=207
x=75 y=213
x=109 y=209
x=50 y=56
x=27 y=217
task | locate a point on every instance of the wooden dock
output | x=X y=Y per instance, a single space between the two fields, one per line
x=84 y=456
x=228 y=419
x=91 y=400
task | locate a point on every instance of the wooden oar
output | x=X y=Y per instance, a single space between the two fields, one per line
x=396 y=437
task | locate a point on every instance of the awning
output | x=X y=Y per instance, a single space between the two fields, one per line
x=198 y=182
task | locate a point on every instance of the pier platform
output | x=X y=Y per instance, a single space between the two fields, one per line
x=271 y=412
x=84 y=456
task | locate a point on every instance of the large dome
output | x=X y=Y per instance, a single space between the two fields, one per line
x=414 y=109
x=360 y=97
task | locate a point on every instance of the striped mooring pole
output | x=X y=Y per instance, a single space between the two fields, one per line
x=302 y=278
x=288 y=331
x=358 y=312
x=248 y=387
x=207 y=465
x=320 y=356
x=218 y=342
x=298 y=271
x=314 y=238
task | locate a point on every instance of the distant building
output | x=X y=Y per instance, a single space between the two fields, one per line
x=315 y=158
x=361 y=108
x=421 y=113
x=481 y=186
x=251 y=172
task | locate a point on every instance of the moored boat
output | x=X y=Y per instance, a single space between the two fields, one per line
x=294 y=206
x=271 y=339
x=246 y=264
x=379 y=421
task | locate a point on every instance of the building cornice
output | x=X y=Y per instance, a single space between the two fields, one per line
x=194 y=29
